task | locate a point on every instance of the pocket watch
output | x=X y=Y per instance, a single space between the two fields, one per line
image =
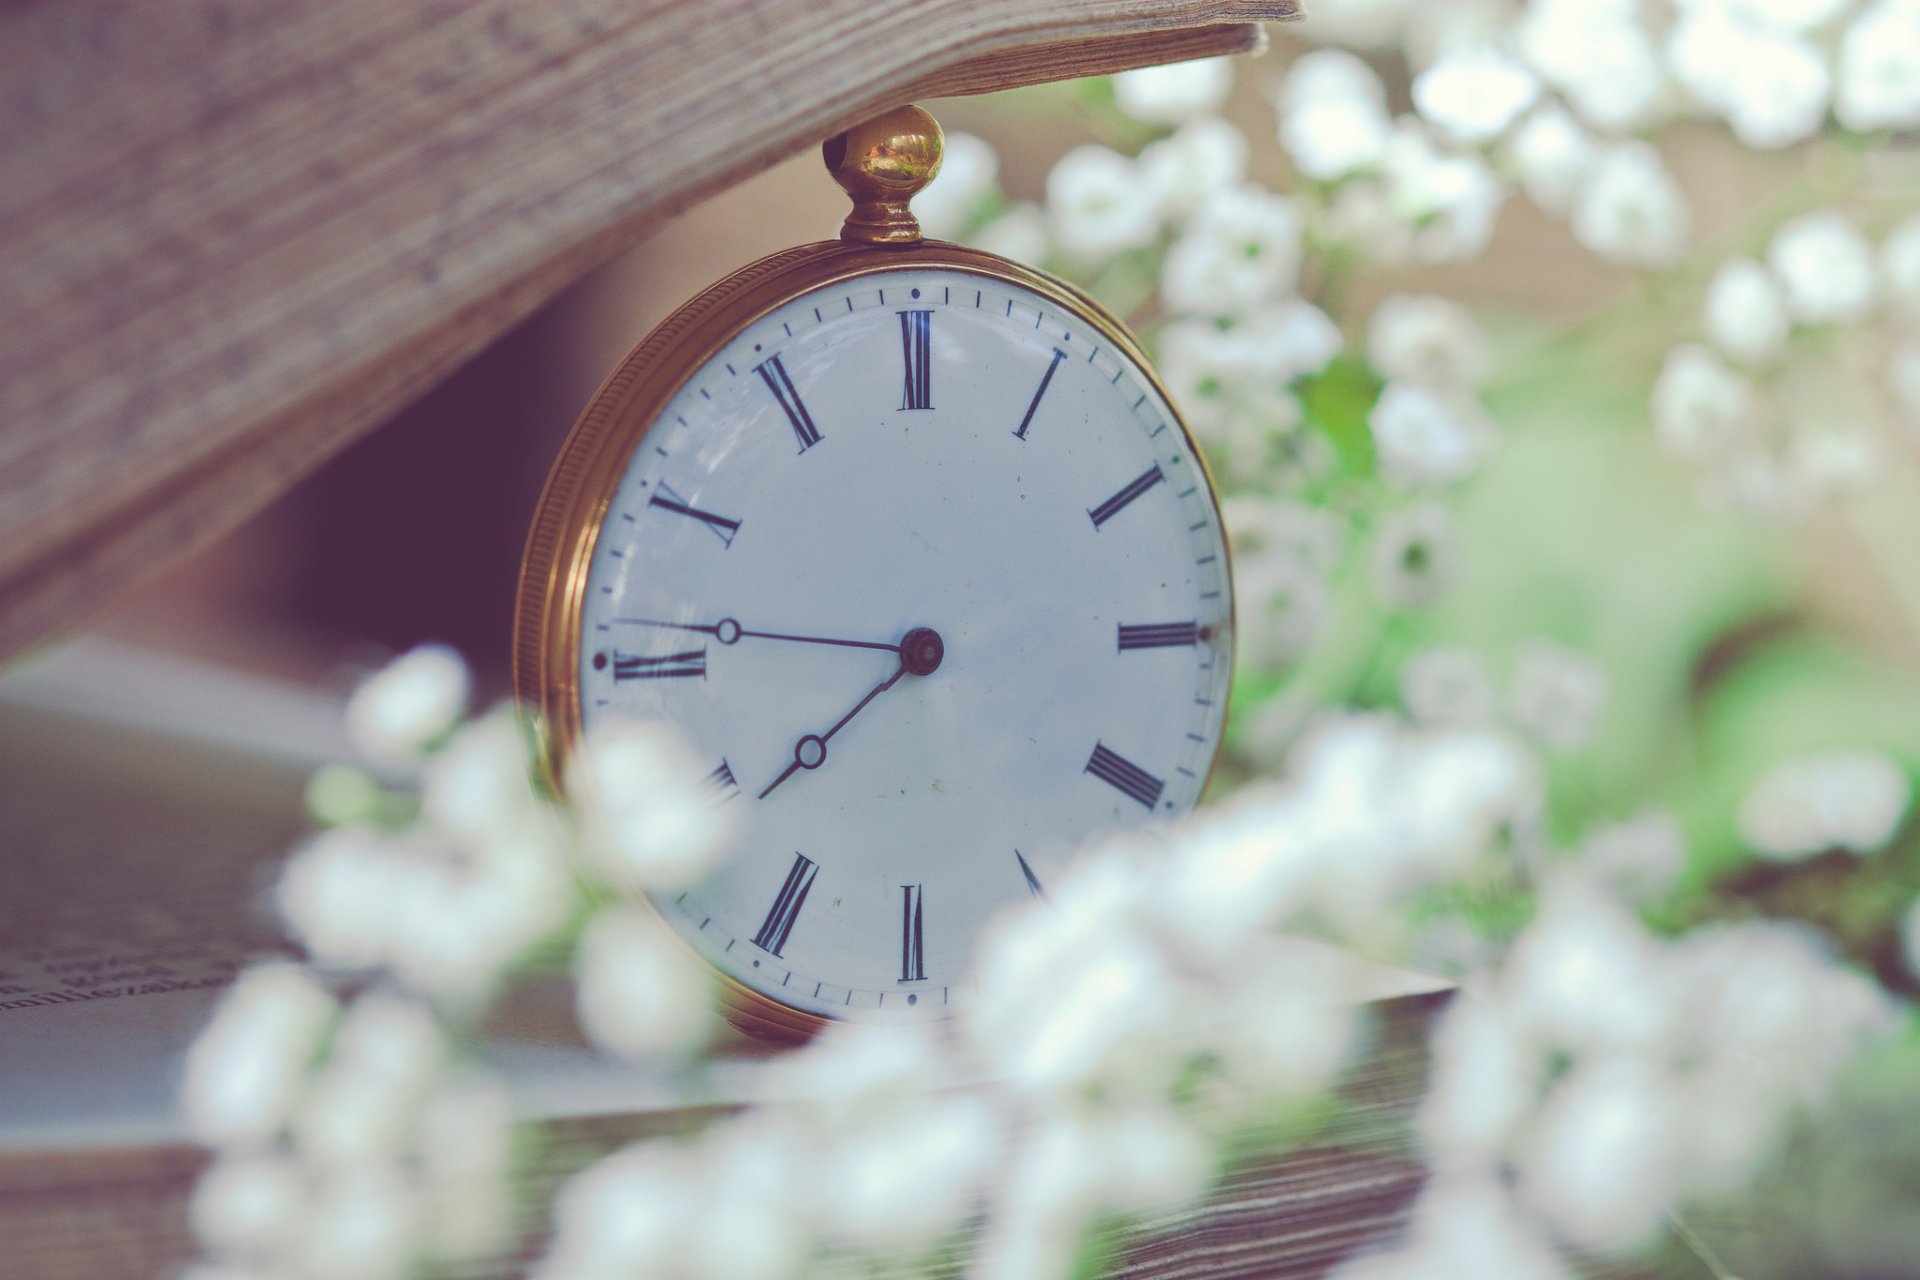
x=909 y=541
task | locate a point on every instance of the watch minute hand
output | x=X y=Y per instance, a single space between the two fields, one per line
x=729 y=631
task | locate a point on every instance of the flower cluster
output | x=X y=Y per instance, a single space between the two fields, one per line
x=1805 y=356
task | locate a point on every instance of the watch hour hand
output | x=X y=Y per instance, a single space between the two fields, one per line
x=920 y=654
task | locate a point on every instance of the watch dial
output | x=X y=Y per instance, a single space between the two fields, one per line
x=929 y=571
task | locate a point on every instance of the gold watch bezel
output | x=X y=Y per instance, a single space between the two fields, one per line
x=580 y=488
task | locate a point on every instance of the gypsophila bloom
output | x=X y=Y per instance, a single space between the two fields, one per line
x=1174 y=92
x=1020 y=233
x=1427 y=340
x=1557 y=695
x=1444 y=203
x=1879 y=71
x=1427 y=437
x=1640 y=859
x=365 y=1098
x=1826 y=267
x=245 y=1072
x=1598 y=1161
x=969 y=174
x=1097 y=203
x=1279 y=606
x=248 y=1202
x=1333 y=118
x=1596 y=54
x=1473 y=94
x=1446 y=687
x=1259 y=527
x=1551 y=153
x=396 y=713
x=646 y=807
x=640 y=990
x=1746 y=317
x=1200 y=156
x=1700 y=407
x=1771 y=86
x=1242 y=248
x=1414 y=559
x=1630 y=210
x=1843 y=799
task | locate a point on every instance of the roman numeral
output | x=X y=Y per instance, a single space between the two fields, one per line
x=916 y=348
x=1124 y=776
x=1117 y=503
x=913 y=960
x=720 y=785
x=786 y=908
x=1158 y=635
x=668 y=500
x=1045 y=378
x=774 y=374
x=631 y=666
x=1033 y=881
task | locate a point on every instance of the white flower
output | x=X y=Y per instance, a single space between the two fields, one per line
x=1446 y=687
x=648 y=818
x=1333 y=118
x=359 y=1225
x=337 y=895
x=1427 y=340
x=1558 y=695
x=1828 y=459
x=1598 y=1163
x=479 y=789
x=1551 y=154
x=1260 y=526
x=1745 y=315
x=1020 y=233
x=1279 y=605
x=1597 y=55
x=1700 y=407
x=1826 y=267
x=396 y=714
x=1639 y=858
x=1288 y=340
x=1487 y=1072
x=1446 y=202
x=466 y=1148
x=247 y=1069
x=640 y=992
x=1098 y=203
x=630 y=1214
x=1849 y=799
x=1879 y=72
x=1242 y=248
x=248 y=1203
x=1174 y=92
x=1797 y=16
x=1426 y=437
x=1464 y=1228
x=1630 y=210
x=1585 y=977
x=1900 y=266
x=879 y=1190
x=1200 y=156
x=1473 y=94
x=969 y=172
x=1770 y=85
x=365 y=1100
x=1414 y=561
x=1229 y=390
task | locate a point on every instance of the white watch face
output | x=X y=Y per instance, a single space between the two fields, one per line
x=930 y=572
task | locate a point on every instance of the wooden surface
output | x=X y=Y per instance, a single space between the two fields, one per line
x=236 y=236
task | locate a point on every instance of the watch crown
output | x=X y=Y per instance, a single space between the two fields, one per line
x=883 y=163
